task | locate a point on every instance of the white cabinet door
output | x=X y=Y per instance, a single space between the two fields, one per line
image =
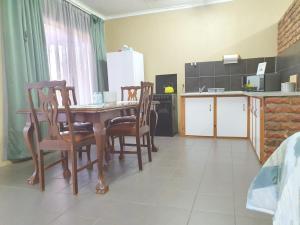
x=253 y=141
x=257 y=126
x=251 y=120
x=199 y=116
x=232 y=116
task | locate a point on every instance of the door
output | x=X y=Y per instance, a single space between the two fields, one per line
x=232 y=116
x=199 y=116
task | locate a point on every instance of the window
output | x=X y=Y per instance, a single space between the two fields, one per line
x=70 y=52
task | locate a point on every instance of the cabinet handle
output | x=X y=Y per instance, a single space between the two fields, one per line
x=244 y=107
x=210 y=107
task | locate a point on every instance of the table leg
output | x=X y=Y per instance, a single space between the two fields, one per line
x=99 y=131
x=153 y=123
x=28 y=137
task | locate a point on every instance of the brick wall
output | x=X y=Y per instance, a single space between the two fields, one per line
x=282 y=119
x=289 y=27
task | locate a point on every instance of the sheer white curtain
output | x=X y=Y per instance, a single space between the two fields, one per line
x=69 y=46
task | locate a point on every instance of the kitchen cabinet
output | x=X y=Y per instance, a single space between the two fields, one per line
x=251 y=119
x=255 y=125
x=199 y=116
x=263 y=137
x=232 y=116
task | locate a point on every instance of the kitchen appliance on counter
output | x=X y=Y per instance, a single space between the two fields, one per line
x=166 y=89
x=266 y=82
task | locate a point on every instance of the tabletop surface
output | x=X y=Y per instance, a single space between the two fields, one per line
x=95 y=108
x=90 y=108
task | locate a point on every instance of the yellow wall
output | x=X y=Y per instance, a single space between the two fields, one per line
x=169 y=40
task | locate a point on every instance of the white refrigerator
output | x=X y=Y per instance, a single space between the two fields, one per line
x=124 y=68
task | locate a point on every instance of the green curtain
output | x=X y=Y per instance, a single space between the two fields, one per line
x=97 y=34
x=25 y=61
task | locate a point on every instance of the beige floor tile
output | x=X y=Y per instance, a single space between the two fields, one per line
x=215 y=204
x=196 y=180
x=205 y=218
x=243 y=220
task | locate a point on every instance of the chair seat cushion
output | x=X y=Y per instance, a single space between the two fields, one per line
x=78 y=136
x=123 y=119
x=126 y=129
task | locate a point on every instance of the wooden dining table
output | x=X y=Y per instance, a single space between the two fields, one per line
x=95 y=114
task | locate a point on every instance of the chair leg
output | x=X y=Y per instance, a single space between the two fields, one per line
x=121 y=140
x=88 y=154
x=143 y=139
x=80 y=154
x=74 y=171
x=108 y=149
x=139 y=153
x=62 y=156
x=113 y=143
x=41 y=170
x=149 y=147
x=67 y=172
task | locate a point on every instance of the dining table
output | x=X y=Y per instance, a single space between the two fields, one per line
x=95 y=114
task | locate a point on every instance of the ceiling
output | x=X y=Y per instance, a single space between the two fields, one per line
x=110 y=9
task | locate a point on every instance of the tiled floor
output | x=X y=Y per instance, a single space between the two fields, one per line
x=191 y=181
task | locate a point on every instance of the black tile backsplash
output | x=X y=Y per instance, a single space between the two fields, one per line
x=252 y=65
x=221 y=69
x=239 y=68
x=208 y=82
x=271 y=64
x=216 y=74
x=222 y=82
x=192 y=70
x=236 y=82
x=192 y=84
x=229 y=76
x=207 y=68
x=288 y=62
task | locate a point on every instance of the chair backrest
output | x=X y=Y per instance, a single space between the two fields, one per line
x=131 y=91
x=71 y=95
x=143 y=110
x=71 y=92
x=48 y=107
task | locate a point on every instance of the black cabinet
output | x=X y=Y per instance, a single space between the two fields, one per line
x=167 y=115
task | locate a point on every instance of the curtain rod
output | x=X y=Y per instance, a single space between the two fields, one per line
x=78 y=6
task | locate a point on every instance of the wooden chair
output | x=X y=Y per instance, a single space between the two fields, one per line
x=131 y=92
x=77 y=126
x=139 y=127
x=67 y=142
